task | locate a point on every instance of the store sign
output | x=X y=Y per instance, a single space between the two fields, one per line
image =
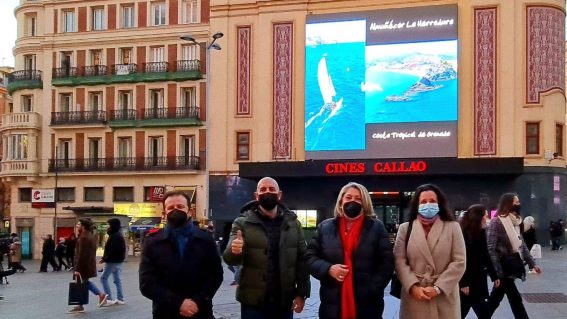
x=381 y=167
x=43 y=198
x=157 y=193
x=139 y=209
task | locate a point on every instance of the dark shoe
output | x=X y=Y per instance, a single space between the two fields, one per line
x=234 y=283
x=76 y=309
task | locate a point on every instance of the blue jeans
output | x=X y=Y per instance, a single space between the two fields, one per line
x=266 y=311
x=93 y=288
x=113 y=269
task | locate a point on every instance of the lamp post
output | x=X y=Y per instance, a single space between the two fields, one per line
x=56 y=168
x=208 y=47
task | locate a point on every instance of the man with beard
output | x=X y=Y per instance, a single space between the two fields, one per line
x=181 y=269
x=85 y=261
x=268 y=241
x=114 y=255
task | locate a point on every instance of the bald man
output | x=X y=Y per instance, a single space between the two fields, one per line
x=268 y=242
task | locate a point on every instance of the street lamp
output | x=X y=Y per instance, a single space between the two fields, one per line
x=208 y=46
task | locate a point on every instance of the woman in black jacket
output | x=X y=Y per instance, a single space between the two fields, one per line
x=352 y=257
x=473 y=286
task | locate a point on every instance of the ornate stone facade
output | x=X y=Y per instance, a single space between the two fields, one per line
x=282 y=90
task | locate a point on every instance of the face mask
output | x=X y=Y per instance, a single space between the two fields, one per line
x=428 y=210
x=352 y=209
x=517 y=209
x=268 y=200
x=177 y=218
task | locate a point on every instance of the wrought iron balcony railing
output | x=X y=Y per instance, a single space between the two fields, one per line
x=187 y=112
x=124 y=69
x=24 y=75
x=125 y=164
x=156 y=67
x=166 y=113
x=78 y=117
x=117 y=115
x=188 y=65
x=155 y=113
x=94 y=70
x=60 y=73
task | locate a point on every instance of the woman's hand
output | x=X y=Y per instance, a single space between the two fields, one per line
x=418 y=293
x=339 y=272
x=430 y=292
x=537 y=269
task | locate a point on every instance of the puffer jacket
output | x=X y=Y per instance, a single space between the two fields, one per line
x=294 y=276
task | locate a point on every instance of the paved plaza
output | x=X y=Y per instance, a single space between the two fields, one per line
x=44 y=295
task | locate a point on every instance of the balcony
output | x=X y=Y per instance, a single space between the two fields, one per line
x=19 y=168
x=78 y=118
x=94 y=70
x=155 y=117
x=20 y=120
x=124 y=69
x=24 y=79
x=156 y=67
x=122 y=115
x=125 y=164
x=62 y=73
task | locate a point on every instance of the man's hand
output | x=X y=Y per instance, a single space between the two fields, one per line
x=496 y=283
x=537 y=269
x=101 y=261
x=339 y=272
x=465 y=291
x=419 y=293
x=237 y=245
x=188 y=308
x=298 y=304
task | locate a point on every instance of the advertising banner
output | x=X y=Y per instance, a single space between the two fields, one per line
x=137 y=210
x=43 y=198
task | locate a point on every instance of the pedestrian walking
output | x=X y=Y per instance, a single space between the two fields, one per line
x=473 y=285
x=60 y=254
x=48 y=254
x=267 y=241
x=508 y=254
x=113 y=257
x=556 y=230
x=353 y=273
x=16 y=255
x=529 y=232
x=70 y=250
x=181 y=269
x=431 y=265
x=85 y=261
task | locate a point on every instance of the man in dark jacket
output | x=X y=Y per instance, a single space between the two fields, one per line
x=181 y=269
x=268 y=241
x=48 y=254
x=114 y=255
x=85 y=261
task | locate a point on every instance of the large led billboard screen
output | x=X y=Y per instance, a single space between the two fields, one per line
x=382 y=84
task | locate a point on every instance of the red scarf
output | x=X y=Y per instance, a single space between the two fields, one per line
x=427 y=223
x=350 y=243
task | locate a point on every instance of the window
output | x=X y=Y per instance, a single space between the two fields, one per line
x=95 y=102
x=191 y=11
x=24 y=194
x=126 y=56
x=242 y=146
x=124 y=147
x=65 y=102
x=155 y=146
x=156 y=99
x=158 y=13
x=98 y=18
x=65 y=194
x=307 y=218
x=158 y=54
x=31 y=25
x=94 y=194
x=189 y=97
x=190 y=52
x=124 y=100
x=187 y=146
x=29 y=62
x=123 y=194
x=95 y=148
x=532 y=138
x=128 y=15
x=18 y=147
x=64 y=153
x=559 y=139
x=66 y=59
x=96 y=57
x=69 y=21
x=27 y=103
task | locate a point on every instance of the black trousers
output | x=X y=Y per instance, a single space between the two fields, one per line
x=479 y=306
x=48 y=259
x=62 y=262
x=507 y=287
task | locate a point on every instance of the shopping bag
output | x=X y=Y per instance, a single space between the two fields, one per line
x=78 y=292
x=536 y=251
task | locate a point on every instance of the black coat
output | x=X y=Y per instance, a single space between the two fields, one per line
x=167 y=279
x=530 y=237
x=373 y=265
x=115 y=248
x=478 y=266
x=48 y=248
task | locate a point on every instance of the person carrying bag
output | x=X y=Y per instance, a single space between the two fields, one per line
x=78 y=291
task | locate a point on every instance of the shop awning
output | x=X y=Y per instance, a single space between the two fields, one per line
x=145 y=224
x=94 y=210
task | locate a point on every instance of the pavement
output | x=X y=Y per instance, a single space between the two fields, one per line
x=44 y=295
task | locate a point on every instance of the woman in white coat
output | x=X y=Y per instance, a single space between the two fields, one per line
x=433 y=262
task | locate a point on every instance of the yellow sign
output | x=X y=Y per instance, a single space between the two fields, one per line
x=138 y=210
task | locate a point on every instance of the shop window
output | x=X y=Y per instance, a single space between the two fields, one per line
x=24 y=195
x=65 y=194
x=242 y=146
x=307 y=217
x=94 y=194
x=123 y=194
x=532 y=138
x=559 y=139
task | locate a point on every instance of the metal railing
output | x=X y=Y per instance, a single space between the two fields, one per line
x=156 y=67
x=187 y=112
x=124 y=69
x=60 y=73
x=78 y=117
x=125 y=164
x=188 y=65
x=94 y=70
x=128 y=114
x=166 y=113
x=23 y=75
x=155 y=113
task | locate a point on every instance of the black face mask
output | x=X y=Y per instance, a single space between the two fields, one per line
x=352 y=209
x=177 y=218
x=268 y=200
x=517 y=209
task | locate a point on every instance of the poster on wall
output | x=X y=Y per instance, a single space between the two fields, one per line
x=382 y=84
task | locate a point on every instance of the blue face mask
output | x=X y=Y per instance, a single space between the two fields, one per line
x=428 y=210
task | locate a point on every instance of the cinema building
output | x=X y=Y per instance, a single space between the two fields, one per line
x=468 y=95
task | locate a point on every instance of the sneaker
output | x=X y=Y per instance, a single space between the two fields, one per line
x=532 y=272
x=102 y=300
x=76 y=309
x=119 y=302
x=109 y=302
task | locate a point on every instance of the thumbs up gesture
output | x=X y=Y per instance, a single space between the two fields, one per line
x=237 y=244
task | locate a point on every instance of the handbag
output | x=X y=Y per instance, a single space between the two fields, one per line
x=536 y=251
x=396 y=285
x=78 y=292
x=513 y=265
